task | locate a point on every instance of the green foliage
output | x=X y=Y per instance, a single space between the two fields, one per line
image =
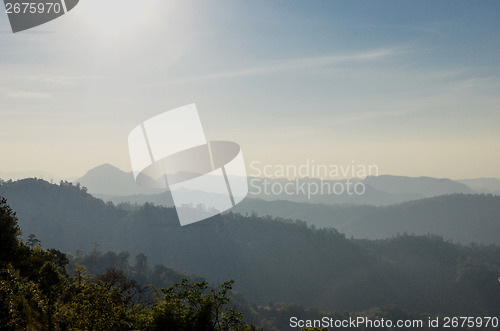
x=96 y=307
x=36 y=293
x=193 y=306
x=21 y=303
x=9 y=230
x=98 y=262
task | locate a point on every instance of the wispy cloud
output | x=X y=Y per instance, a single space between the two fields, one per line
x=64 y=79
x=300 y=63
x=20 y=94
x=52 y=79
x=371 y=115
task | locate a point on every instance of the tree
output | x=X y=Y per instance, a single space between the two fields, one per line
x=51 y=284
x=141 y=264
x=96 y=308
x=193 y=306
x=9 y=231
x=126 y=291
x=33 y=241
x=60 y=259
x=20 y=302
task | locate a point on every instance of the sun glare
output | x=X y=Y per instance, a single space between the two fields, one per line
x=115 y=17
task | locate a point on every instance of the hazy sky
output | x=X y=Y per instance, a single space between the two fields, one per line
x=411 y=86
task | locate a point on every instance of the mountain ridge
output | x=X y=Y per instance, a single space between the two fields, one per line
x=107 y=179
x=109 y=182
x=272 y=260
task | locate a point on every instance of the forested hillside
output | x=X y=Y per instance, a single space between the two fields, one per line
x=37 y=293
x=463 y=218
x=270 y=259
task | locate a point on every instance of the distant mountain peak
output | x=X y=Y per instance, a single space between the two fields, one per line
x=107 y=179
x=105 y=167
x=420 y=186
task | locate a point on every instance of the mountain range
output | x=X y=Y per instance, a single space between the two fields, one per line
x=462 y=218
x=278 y=260
x=390 y=205
x=483 y=185
x=113 y=184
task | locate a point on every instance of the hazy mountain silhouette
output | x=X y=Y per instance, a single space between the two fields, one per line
x=462 y=218
x=379 y=190
x=278 y=260
x=421 y=187
x=483 y=185
x=113 y=184
x=459 y=217
x=107 y=179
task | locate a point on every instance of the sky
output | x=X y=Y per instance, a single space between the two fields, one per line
x=412 y=87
